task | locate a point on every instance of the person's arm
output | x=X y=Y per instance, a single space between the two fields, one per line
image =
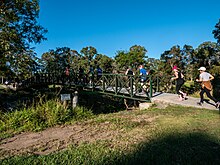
x=200 y=79
x=176 y=76
x=140 y=72
x=126 y=72
x=182 y=76
x=211 y=77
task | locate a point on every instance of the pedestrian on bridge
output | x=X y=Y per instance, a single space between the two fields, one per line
x=67 y=74
x=143 y=77
x=81 y=78
x=129 y=72
x=206 y=86
x=91 y=74
x=179 y=77
x=98 y=72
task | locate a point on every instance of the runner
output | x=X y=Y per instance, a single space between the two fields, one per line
x=178 y=76
x=206 y=86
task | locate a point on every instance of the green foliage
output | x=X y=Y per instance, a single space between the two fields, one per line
x=80 y=113
x=105 y=62
x=18 y=29
x=216 y=32
x=39 y=117
x=55 y=61
x=135 y=57
x=175 y=135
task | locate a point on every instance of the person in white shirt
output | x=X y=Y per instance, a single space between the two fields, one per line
x=206 y=86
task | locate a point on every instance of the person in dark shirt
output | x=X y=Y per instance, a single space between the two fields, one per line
x=129 y=72
x=98 y=72
x=179 y=77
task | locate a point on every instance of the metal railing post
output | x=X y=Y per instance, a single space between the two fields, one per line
x=116 y=84
x=131 y=86
x=157 y=84
x=151 y=90
x=103 y=83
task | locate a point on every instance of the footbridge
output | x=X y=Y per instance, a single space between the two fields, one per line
x=118 y=85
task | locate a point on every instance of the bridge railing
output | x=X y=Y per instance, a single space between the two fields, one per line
x=127 y=85
x=121 y=85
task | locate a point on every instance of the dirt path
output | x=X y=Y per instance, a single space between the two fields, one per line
x=54 y=139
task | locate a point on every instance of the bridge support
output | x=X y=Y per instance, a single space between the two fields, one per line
x=75 y=99
x=143 y=106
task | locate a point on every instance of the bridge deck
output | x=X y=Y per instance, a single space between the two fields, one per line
x=169 y=98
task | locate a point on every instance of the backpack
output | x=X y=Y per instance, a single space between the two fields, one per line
x=207 y=85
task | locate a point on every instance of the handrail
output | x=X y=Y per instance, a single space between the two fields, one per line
x=121 y=85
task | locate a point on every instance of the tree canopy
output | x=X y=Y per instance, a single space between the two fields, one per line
x=18 y=30
x=216 y=32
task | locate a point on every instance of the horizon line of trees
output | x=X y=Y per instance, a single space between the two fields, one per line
x=19 y=29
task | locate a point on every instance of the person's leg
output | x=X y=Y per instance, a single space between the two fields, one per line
x=209 y=95
x=181 y=92
x=178 y=86
x=212 y=98
x=201 y=95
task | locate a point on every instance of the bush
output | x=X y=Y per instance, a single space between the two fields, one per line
x=41 y=116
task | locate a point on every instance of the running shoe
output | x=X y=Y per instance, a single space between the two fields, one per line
x=217 y=105
x=200 y=103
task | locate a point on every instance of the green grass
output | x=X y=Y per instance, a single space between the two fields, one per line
x=2 y=87
x=175 y=135
x=37 y=118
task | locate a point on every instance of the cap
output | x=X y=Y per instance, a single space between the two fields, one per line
x=202 y=68
x=174 y=67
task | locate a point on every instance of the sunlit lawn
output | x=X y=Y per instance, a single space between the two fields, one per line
x=175 y=135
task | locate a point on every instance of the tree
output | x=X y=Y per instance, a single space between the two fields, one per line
x=216 y=32
x=18 y=29
x=89 y=53
x=207 y=55
x=135 y=56
x=172 y=57
x=55 y=61
x=189 y=62
x=105 y=62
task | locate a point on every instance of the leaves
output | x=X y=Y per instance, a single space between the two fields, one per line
x=216 y=32
x=18 y=29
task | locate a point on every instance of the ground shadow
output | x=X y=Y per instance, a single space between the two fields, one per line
x=192 y=148
x=101 y=103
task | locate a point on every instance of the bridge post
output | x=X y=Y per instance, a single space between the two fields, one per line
x=75 y=99
x=103 y=83
x=151 y=92
x=131 y=86
x=116 y=84
x=157 y=84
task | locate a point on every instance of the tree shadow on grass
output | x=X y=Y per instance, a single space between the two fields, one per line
x=193 y=148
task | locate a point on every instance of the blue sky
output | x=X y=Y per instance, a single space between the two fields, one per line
x=113 y=25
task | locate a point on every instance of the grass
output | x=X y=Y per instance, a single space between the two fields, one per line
x=2 y=87
x=175 y=135
x=40 y=116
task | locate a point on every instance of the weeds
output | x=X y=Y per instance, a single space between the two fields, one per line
x=40 y=116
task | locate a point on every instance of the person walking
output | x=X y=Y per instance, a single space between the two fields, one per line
x=143 y=78
x=67 y=74
x=206 y=86
x=98 y=72
x=91 y=75
x=129 y=72
x=179 y=77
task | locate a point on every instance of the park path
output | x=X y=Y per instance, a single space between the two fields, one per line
x=172 y=99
